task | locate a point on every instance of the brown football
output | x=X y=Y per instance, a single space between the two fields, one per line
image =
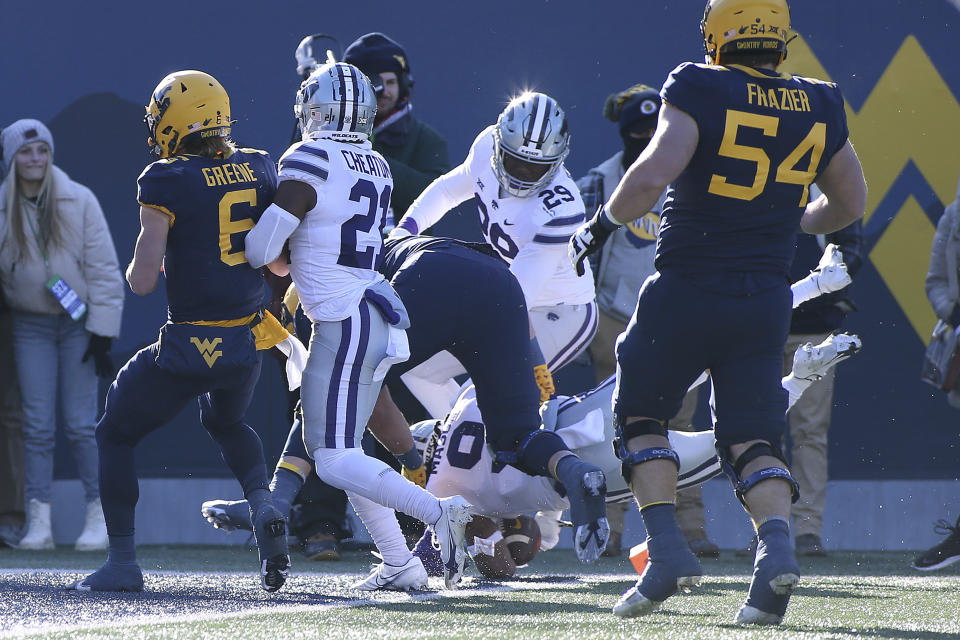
x=522 y=536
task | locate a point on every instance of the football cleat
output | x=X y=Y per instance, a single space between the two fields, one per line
x=112 y=576
x=410 y=576
x=229 y=515
x=270 y=530
x=588 y=511
x=813 y=362
x=429 y=553
x=831 y=272
x=449 y=532
x=670 y=566
x=775 y=575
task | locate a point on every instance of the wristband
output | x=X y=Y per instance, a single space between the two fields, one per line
x=411 y=459
x=606 y=220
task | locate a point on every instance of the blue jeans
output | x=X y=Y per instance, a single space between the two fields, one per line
x=48 y=350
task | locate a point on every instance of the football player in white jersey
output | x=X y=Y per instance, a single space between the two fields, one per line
x=527 y=204
x=460 y=463
x=329 y=209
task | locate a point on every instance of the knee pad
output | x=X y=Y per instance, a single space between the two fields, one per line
x=532 y=455
x=629 y=459
x=623 y=433
x=734 y=470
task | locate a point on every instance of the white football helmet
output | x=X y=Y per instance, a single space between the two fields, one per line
x=531 y=140
x=336 y=101
x=314 y=51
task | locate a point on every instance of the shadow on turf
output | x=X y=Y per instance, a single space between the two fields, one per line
x=843 y=632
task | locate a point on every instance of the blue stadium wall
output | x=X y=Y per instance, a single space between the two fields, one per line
x=86 y=69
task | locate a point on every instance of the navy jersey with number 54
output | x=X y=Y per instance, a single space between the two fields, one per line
x=764 y=137
x=212 y=204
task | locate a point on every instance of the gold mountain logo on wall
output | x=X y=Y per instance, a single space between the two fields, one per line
x=905 y=134
x=208 y=349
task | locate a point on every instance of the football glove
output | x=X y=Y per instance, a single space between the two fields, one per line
x=544 y=382
x=417 y=476
x=589 y=237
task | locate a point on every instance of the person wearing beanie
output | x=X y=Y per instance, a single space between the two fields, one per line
x=620 y=270
x=62 y=281
x=416 y=153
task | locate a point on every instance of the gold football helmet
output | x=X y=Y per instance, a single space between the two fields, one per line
x=745 y=26
x=186 y=103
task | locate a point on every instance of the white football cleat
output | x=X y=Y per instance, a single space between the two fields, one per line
x=831 y=256
x=831 y=273
x=449 y=532
x=813 y=362
x=410 y=576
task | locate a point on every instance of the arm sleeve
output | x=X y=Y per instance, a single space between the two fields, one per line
x=101 y=271
x=535 y=264
x=443 y=194
x=938 y=280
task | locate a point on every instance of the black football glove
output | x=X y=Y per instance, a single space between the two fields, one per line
x=589 y=237
x=99 y=349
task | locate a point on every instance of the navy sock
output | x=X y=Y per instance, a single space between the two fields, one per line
x=284 y=488
x=660 y=519
x=570 y=470
x=123 y=549
x=774 y=532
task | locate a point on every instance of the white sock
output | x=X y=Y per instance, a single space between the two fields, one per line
x=382 y=525
x=354 y=471
x=795 y=387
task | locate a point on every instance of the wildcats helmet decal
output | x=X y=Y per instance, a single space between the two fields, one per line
x=531 y=140
x=336 y=101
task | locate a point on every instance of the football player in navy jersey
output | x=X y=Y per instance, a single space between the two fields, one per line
x=739 y=145
x=197 y=201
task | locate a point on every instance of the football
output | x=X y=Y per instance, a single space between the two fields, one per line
x=522 y=536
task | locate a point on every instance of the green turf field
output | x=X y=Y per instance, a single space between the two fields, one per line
x=212 y=592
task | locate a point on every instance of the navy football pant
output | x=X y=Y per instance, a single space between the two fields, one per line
x=142 y=399
x=679 y=330
x=471 y=305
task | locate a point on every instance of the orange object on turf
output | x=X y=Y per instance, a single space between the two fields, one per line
x=639 y=557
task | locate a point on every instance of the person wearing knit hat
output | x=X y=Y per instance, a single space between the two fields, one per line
x=62 y=281
x=20 y=133
x=620 y=269
x=416 y=153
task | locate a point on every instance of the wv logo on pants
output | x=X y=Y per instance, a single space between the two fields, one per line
x=208 y=349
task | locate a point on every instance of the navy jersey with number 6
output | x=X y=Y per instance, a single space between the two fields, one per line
x=212 y=204
x=764 y=137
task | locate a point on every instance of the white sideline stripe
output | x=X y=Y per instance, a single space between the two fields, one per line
x=266 y=608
